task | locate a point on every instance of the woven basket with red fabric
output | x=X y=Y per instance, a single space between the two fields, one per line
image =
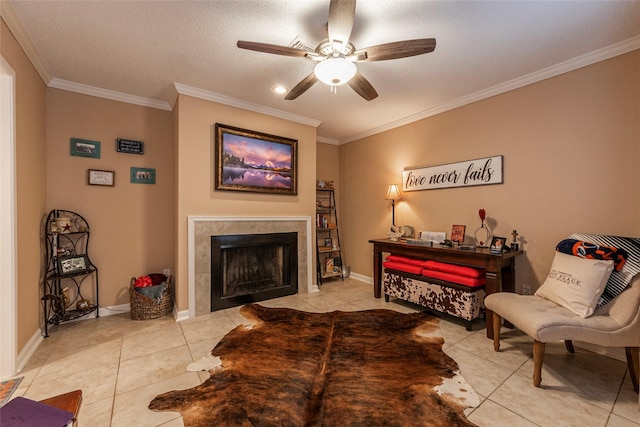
x=151 y=296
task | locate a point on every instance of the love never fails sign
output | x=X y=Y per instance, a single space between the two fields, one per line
x=462 y=174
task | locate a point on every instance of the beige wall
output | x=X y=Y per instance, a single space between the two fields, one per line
x=194 y=176
x=571 y=153
x=131 y=224
x=30 y=183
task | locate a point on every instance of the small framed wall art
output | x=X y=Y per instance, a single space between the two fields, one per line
x=143 y=175
x=129 y=146
x=98 y=177
x=85 y=148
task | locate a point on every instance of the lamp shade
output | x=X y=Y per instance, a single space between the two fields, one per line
x=335 y=71
x=393 y=193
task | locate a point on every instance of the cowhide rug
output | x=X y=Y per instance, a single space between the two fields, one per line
x=293 y=368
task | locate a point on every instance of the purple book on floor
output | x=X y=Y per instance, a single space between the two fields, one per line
x=22 y=412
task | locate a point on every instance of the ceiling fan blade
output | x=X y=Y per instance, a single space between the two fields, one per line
x=301 y=87
x=341 y=16
x=272 y=48
x=395 y=50
x=362 y=87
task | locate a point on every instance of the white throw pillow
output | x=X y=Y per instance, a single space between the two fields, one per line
x=576 y=283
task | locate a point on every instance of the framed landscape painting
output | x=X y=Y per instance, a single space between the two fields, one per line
x=255 y=162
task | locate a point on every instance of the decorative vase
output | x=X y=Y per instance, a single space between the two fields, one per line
x=482 y=234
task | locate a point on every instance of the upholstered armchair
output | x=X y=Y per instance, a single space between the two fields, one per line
x=615 y=324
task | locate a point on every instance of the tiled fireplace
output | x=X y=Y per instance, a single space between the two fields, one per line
x=202 y=228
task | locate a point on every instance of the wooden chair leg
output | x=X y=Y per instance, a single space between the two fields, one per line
x=569 y=345
x=497 y=322
x=538 y=357
x=633 y=361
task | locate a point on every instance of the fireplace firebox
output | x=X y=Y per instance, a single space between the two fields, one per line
x=248 y=268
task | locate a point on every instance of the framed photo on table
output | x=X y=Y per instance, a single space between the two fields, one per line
x=457 y=233
x=498 y=244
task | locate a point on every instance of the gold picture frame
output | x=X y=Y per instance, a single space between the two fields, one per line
x=255 y=162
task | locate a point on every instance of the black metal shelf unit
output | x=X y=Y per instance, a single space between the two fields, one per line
x=328 y=247
x=67 y=268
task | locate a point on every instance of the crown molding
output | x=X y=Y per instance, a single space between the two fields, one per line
x=108 y=94
x=17 y=29
x=234 y=102
x=326 y=140
x=543 y=74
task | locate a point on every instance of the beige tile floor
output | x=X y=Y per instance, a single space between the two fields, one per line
x=122 y=364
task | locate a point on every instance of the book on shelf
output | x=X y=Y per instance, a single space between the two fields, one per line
x=329 y=264
x=23 y=412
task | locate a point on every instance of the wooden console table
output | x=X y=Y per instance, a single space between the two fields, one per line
x=500 y=268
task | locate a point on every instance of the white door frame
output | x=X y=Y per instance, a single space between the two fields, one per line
x=8 y=255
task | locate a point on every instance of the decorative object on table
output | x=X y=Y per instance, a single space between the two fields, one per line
x=395 y=233
x=514 y=240
x=433 y=236
x=469 y=173
x=99 y=177
x=7 y=388
x=151 y=296
x=142 y=175
x=321 y=183
x=457 y=233
x=482 y=234
x=498 y=245
x=447 y=243
x=85 y=148
x=255 y=162
x=398 y=352
x=408 y=231
x=129 y=146
x=393 y=194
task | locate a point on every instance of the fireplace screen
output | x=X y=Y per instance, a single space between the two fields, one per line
x=252 y=267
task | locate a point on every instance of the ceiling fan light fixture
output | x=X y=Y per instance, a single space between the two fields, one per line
x=335 y=71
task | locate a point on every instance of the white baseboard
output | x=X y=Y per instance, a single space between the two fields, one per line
x=362 y=278
x=114 y=309
x=180 y=315
x=28 y=350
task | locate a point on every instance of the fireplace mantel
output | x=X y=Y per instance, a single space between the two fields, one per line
x=200 y=230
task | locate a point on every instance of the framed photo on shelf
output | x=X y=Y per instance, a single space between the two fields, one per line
x=255 y=162
x=98 y=177
x=457 y=233
x=72 y=264
x=498 y=244
x=328 y=242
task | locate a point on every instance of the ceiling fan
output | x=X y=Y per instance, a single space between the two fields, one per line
x=335 y=56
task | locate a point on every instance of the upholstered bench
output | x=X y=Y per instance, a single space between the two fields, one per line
x=432 y=284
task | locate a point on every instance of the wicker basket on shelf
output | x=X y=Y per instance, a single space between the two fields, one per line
x=146 y=308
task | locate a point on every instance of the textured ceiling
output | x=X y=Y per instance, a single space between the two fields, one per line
x=143 y=48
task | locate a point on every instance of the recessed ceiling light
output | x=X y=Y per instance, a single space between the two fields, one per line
x=279 y=89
